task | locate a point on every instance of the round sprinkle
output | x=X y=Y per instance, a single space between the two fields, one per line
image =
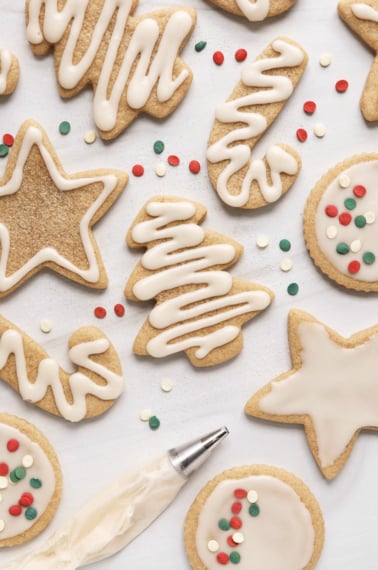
x=286 y=264
x=240 y=493
x=15 y=510
x=166 y=385
x=213 y=546
x=319 y=130
x=331 y=211
x=20 y=473
x=341 y=86
x=100 y=312
x=309 y=107
x=262 y=241
x=285 y=245
x=354 y=267
x=231 y=542
x=4 y=469
x=159 y=147
x=350 y=203
x=222 y=558
x=236 y=523
x=345 y=218
x=35 y=483
x=8 y=139
x=218 y=57
x=137 y=170
x=236 y=507
x=359 y=191
x=360 y=221
x=344 y=181
x=293 y=289
x=342 y=248
x=241 y=54
x=370 y=217
x=194 y=166
x=26 y=500
x=119 y=309
x=355 y=246
x=31 y=514
x=254 y=510
x=3 y=483
x=238 y=537
x=46 y=326
x=154 y=422
x=64 y=128
x=12 y=445
x=368 y=257
x=301 y=135
x=235 y=557
x=325 y=59
x=4 y=150
x=173 y=160
x=224 y=524
x=160 y=169
x=2 y=525
x=200 y=46
x=27 y=461
x=252 y=496
x=90 y=137
x=145 y=414
x=331 y=232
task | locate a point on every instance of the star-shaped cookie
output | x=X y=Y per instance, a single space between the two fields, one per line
x=332 y=389
x=362 y=18
x=46 y=215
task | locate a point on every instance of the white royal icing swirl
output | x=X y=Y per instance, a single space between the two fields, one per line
x=365 y=12
x=271 y=89
x=139 y=82
x=179 y=261
x=5 y=66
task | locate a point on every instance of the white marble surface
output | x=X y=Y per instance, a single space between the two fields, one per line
x=94 y=453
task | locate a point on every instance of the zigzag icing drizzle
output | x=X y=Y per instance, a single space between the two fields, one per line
x=5 y=65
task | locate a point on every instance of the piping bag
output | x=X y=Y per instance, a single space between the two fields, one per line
x=121 y=511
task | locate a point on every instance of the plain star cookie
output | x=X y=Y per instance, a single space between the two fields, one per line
x=255 y=10
x=332 y=389
x=241 y=179
x=341 y=226
x=200 y=308
x=362 y=18
x=132 y=63
x=254 y=517
x=9 y=72
x=90 y=390
x=30 y=481
x=46 y=215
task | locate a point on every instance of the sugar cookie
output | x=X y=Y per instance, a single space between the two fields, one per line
x=256 y=10
x=200 y=308
x=9 y=72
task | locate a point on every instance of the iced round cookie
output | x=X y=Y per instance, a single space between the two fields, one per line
x=340 y=223
x=256 y=517
x=30 y=481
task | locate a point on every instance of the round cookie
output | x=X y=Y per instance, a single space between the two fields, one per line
x=30 y=481
x=254 y=517
x=341 y=226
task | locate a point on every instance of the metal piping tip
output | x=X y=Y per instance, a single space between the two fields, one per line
x=188 y=457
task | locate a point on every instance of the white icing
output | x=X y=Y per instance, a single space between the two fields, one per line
x=34 y=136
x=180 y=260
x=48 y=375
x=271 y=89
x=339 y=391
x=365 y=12
x=280 y=537
x=109 y=521
x=41 y=469
x=255 y=10
x=365 y=174
x=5 y=66
x=150 y=70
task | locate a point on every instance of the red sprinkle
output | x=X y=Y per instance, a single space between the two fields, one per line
x=100 y=312
x=302 y=135
x=236 y=523
x=359 y=191
x=8 y=139
x=241 y=54
x=4 y=469
x=222 y=558
x=137 y=170
x=119 y=310
x=13 y=445
x=236 y=507
x=341 y=85
x=240 y=493
x=309 y=107
x=194 y=166
x=331 y=211
x=26 y=500
x=354 y=266
x=218 y=57
x=345 y=218
x=231 y=542
x=173 y=160
x=15 y=510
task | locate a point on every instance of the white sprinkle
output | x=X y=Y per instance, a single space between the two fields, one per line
x=331 y=232
x=145 y=414
x=238 y=537
x=319 y=130
x=286 y=264
x=2 y=525
x=27 y=461
x=344 y=181
x=160 y=169
x=213 y=546
x=45 y=325
x=166 y=384
x=355 y=246
x=262 y=241
x=252 y=496
x=370 y=217
x=90 y=137
x=325 y=59
x=4 y=482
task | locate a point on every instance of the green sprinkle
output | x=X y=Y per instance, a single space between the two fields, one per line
x=254 y=510
x=224 y=524
x=4 y=149
x=235 y=557
x=159 y=146
x=285 y=245
x=342 y=248
x=360 y=221
x=13 y=477
x=31 y=513
x=20 y=473
x=368 y=257
x=35 y=483
x=154 y=422
x=200 y=46
x=64 y=128
x=350 y=203
x=293 y=289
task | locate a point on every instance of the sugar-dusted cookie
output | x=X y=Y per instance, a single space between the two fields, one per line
x=46 y=215
x=362 y=18
x=241 y=180
x=200 y=308
x=255 y=10
x=30 y=481
x=331 y=389
x=341 y=225
x=131 y=62
x=254 y=517
x=9 y=72
x=89 y=391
